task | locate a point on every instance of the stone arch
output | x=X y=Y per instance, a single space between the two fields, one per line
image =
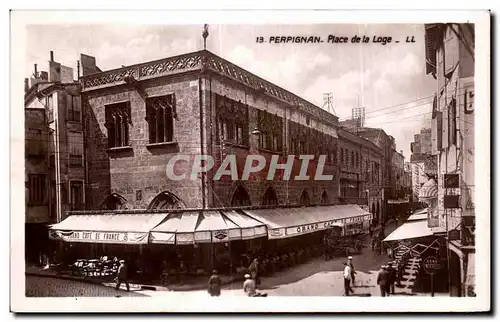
x=324 y=197
x=270 y=198
x=166 y=200
x=304 y=200
x=115 y=202
x=240 y=197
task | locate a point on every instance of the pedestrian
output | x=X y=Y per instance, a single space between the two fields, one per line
x=347 y=280
x=382 y=280
x=122 y=276
x=254 y=271
x=353 y=272
x=214 y=284
x=250 y=288
x=392 y=278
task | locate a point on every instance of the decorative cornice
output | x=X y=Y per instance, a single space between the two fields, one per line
x=202 y=61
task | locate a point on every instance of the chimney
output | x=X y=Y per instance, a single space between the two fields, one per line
x=51 y=55
x=36 y=71
x=26 y=85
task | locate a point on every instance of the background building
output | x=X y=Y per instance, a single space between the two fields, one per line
x=360 y=164
x=450 y=60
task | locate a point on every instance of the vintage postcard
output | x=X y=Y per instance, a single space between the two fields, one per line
x=250 y=161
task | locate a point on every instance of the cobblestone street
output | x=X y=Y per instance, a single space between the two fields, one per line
x=37 y=286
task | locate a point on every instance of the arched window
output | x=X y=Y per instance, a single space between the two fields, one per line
x=324 y=197
x=117 y=122
x=240 y=197
x=160 y=117
x=114 y=202
x=166 y=200
x=270 y=198
x=304 y=198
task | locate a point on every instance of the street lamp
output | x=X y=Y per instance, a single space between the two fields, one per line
x=256 y=131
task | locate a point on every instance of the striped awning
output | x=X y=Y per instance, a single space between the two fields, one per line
x=429 y=190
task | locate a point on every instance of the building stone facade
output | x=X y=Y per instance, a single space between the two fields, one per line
x=214 y=108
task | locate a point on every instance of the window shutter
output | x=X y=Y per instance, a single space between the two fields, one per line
x=445 y=127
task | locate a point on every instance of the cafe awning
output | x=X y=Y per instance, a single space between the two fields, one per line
x=250 y=228
x=290 y=222
x=213 y=227
x=410 y=230
x=106 y=228
x=177 y=229
x=420 y=214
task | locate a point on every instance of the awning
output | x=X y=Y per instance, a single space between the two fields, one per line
x=429 y=190
x=290 y=222
x=106 y=228
x=213 y=227
x=409 y=230
x=470 y=278
x=420 y=216
x=250 y=228
x=177 y=229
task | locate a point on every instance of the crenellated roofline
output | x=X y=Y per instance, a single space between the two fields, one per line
x=200 y=61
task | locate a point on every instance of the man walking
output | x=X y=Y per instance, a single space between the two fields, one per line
x=392 y=278
x=353 y=272
x=382 y=280
x=121 y=276
x=347 y=280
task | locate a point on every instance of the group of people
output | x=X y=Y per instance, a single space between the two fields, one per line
x=386 y=279
x=252 y=280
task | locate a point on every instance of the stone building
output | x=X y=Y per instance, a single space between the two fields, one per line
x=139 y=117
x=360 y=163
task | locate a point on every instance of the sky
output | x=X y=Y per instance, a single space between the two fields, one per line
x=388 y=80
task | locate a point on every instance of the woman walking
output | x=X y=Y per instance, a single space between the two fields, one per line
x=214 y=284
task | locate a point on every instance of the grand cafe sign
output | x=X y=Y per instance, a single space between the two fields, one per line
x=304 y=229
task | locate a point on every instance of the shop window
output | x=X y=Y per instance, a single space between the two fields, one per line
x=76 y=195
x=160 y=118
x=74 y=109
x=37 y=189
x=117 y=123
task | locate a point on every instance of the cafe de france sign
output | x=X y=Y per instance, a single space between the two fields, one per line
x=100 y=237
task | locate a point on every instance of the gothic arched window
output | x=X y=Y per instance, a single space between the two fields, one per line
x=240 y=197
x=166 y=200
x=117 y=122
x=270 y=198
x=304 y=199
x=160 y=113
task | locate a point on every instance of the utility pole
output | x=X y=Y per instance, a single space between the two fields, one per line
x=328 y=103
